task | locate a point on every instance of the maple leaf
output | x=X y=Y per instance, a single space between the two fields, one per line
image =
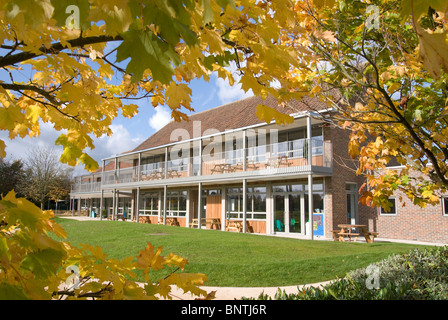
x=147 y=51
x=268 y=114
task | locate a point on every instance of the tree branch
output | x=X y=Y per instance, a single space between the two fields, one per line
x=55 y=48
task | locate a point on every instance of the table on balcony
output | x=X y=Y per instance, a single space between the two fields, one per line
x=156 y=175
x=276 y=162
x=223 y=167
x=250 y=164
x=173 y=173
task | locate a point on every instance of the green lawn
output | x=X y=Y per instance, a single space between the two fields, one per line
x=234 y=259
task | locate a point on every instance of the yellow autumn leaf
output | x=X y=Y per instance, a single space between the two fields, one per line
x=178 y=95
x=433 y=50
x=269 y=114
x=2 y=149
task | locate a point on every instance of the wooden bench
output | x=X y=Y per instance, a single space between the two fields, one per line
x=340 y=236
x=194 y=222
x=234 y=226
x=372 y=236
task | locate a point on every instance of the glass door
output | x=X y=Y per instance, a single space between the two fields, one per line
x=288 y=212
x=295 y=213
x=352 y=201
x=279 y=213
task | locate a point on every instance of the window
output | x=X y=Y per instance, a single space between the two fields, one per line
x=149 y=204
x=255 y=203
x=445 y=206
x=176 y=202
x=392 y=210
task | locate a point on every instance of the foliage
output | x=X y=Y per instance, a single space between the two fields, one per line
x=45 y=178
x=11 y=173
x=34 y=265
x=89 y=60
x=416 y=275
x=381 y=65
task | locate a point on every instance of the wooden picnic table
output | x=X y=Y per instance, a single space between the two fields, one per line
x=234 y=225
x=173 y=173
x=347 y=231
x=204 y=221
x=221 y=167
x=172 y=222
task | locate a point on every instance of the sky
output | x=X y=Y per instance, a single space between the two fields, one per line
x=129 y=133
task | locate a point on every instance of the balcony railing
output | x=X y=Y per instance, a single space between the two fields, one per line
x=279 y=157
x=86 y=187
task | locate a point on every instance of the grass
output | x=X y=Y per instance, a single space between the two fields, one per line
x=234 y=259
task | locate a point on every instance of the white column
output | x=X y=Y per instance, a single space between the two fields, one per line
x=199 y=205
x=310 y=205
x=166 y=166
x=139 y=169
x=101 y=204
x=269 y=206
x=310 y=178
x=244 y=205
x=187 y=215
x=244 y=152
x=223 y=207
x=137 y=205
x=309 y=142
x=164 y=203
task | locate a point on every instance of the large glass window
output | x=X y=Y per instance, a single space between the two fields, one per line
x=149 y=204
x=176 y=203
x=255 y=203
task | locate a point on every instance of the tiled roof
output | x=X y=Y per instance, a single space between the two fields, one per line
x=230 y=116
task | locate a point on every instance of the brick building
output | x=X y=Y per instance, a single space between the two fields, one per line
x=226 y=169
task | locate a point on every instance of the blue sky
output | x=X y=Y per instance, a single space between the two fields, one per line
x=129 y=133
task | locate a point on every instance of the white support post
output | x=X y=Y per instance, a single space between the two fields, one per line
x=223 y=207
x=139 y=169
x=309 y=141
x=101 y=204
x=200 y=158
x=244 y=152
x=164 y=203
x=310 y=177
x=310 y=206
x=244 y=205
x=166 y=165
x=114 y=200
x=137 y=206
x=199 y=205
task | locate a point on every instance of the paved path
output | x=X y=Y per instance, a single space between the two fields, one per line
x=232 y=293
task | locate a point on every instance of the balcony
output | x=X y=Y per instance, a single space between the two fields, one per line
x=272 y=159
x=86 y=187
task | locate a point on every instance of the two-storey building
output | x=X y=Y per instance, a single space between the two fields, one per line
x=231 y=171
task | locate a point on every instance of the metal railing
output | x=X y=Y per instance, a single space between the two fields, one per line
x=288 y=156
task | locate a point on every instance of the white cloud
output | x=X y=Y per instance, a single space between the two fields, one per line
x=105 y=146
x=161 y=118
x=19 y=148
x=121 y=140
x=226 y=92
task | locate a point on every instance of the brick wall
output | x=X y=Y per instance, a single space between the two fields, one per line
x=413 y=222
x=344 y=171
x=410 y=223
